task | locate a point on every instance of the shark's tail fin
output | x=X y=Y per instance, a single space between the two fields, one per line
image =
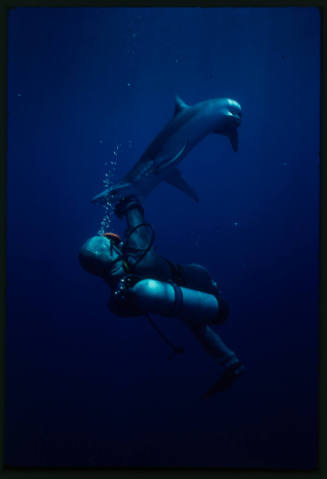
x=113 y=193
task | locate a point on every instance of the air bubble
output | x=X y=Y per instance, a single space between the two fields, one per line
x=110 y=167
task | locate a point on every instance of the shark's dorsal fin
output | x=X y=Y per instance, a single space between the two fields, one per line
x=175 y=178
x=180 y=105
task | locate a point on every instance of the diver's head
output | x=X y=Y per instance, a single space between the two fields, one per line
x=102 y=256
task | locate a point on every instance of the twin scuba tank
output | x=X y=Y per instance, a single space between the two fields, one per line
x=136 y=296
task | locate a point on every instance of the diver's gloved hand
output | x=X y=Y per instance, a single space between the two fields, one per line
x=126 y=204
x=226 y=380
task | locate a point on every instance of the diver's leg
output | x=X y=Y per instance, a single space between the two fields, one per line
x=213 y=344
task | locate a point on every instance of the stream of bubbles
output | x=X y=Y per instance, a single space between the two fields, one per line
x=110 y=168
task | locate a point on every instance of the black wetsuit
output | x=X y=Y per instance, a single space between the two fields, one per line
x=143 y=260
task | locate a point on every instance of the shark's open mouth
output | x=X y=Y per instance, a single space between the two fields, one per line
x=233 y=119
x=237 y=119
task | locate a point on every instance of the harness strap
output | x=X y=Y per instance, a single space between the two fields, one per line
x=144 y=251
x=175 y=349
x=120 y=296
x=178 y=303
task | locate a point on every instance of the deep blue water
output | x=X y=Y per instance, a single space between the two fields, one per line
x=87 y=389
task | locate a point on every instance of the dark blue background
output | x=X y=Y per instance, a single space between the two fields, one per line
x=87 y=389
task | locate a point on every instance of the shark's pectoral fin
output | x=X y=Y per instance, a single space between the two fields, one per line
x=175 y=179
x=113 y=192
x=233 y=136
x=170 y=160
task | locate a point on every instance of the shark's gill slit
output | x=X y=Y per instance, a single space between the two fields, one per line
x=110 y=169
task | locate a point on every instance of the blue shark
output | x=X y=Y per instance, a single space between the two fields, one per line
x=159 y=162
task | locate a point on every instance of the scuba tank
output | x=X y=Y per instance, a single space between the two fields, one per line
x=135 y=296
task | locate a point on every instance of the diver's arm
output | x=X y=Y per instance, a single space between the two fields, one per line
x=139 y=243
x=132 y=209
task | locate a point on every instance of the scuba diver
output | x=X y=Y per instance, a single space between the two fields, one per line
x=143 y=282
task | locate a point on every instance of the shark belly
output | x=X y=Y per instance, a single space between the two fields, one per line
x=184 y=139
x=159 y=164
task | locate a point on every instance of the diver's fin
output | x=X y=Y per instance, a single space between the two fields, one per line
x=233 y=136
x=175 y=179
x=226 y=381
x=170 y=160
x=180 y=105
x=114 y=191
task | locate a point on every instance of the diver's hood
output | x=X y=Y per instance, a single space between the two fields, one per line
x=101 y=257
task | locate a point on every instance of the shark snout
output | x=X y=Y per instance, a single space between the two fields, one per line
x=231 y=120
x=234 y=112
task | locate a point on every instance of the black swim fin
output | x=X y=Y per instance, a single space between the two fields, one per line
x=226 y=381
